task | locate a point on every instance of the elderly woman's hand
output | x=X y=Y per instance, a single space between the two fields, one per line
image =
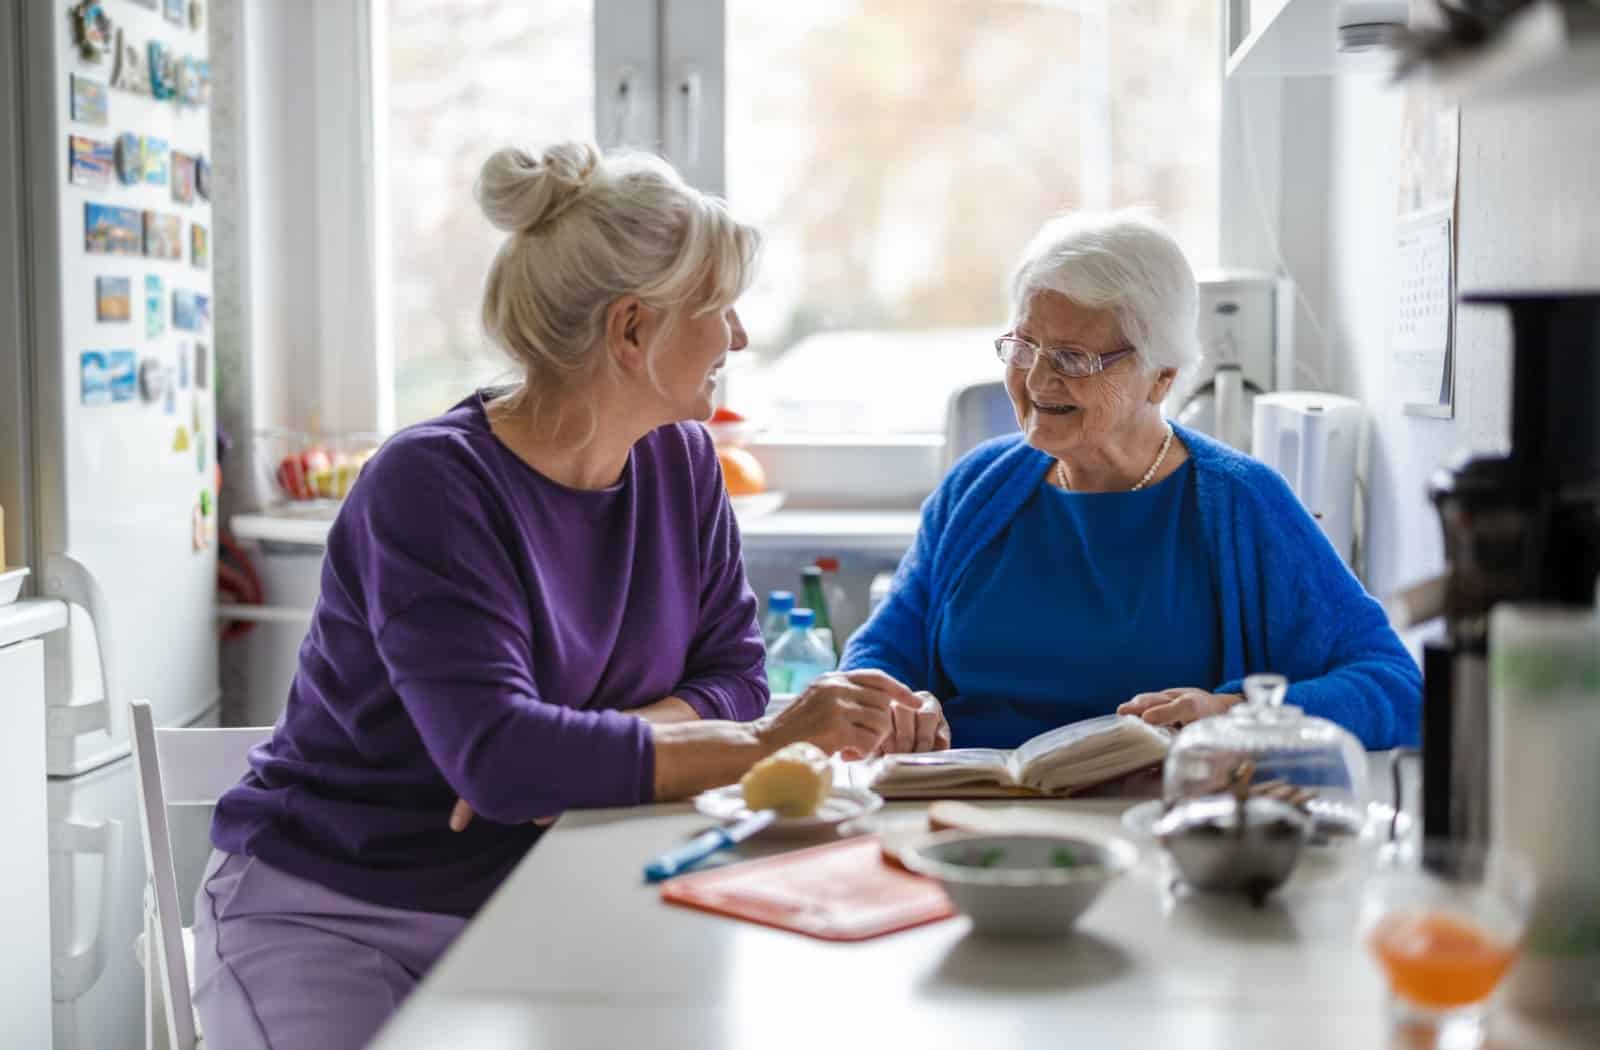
x=1178 y=707
x=853 y=713
x=922 y=729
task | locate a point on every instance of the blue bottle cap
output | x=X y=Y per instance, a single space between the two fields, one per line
x=801 y=617
x=780 y=601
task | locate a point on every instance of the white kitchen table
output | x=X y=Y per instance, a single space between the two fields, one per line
x=576 y=951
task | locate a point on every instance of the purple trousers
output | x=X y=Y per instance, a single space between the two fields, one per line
x=281 y=962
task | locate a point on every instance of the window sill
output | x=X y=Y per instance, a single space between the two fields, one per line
x=862 y=531
x=860 y=472
x=889 y=532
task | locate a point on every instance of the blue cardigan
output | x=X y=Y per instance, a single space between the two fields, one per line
x=1289 y=604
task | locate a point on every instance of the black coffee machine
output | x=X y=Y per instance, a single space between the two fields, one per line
x=1519 y=527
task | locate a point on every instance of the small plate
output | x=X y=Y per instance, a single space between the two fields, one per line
x=843 y=803
x=1140 y=820
x=758 y=505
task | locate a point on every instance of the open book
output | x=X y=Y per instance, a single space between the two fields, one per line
x=1059 y=762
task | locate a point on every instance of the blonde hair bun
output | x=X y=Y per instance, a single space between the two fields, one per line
x=520 y=193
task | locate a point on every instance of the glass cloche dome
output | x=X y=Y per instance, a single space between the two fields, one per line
x=1279 y=751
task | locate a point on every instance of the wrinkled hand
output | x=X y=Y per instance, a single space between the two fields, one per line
x=921 y=730
x=1176 y=708
x=851 y=713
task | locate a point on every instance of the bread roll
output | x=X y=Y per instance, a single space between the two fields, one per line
x=794 y=781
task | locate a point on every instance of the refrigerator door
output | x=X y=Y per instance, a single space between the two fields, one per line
x=25 y=875
x=97 y=882
x=120 y=479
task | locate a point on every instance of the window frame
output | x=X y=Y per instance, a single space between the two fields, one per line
x=660 y=84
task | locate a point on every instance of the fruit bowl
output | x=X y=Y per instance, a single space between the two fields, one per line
x=729 y=429
x=307 y=468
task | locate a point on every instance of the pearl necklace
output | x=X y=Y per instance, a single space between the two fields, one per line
x=1166 y=443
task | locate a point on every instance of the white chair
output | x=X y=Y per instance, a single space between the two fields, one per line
x=973 y=415
x=175 y=767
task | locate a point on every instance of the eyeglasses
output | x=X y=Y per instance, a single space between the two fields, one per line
x=1068 y=360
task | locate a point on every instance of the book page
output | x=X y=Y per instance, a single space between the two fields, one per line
x=952 y=768
x=1089 y=752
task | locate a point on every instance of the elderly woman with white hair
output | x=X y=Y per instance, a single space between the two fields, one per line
x=1106 y=559
x=532 y=603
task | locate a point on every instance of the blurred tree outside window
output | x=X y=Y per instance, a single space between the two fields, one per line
x=896 y=155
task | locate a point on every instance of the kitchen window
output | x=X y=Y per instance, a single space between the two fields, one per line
x=895 y=154
x=465 y=77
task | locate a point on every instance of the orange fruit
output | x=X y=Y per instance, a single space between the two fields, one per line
x=742 y=472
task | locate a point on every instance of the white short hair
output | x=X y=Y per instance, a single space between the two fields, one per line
x=1123 y=261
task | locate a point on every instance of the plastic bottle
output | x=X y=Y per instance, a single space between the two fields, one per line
x=800 y=655
x=777 y=619
x=814 y=598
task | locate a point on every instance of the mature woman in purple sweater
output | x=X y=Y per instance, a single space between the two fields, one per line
x=532 y=603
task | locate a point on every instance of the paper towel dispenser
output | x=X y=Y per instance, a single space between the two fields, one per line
x=1313 y=440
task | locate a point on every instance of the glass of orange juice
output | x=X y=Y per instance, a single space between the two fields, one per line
x=1445 y=922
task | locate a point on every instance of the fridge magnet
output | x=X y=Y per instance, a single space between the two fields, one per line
x=89 y=163
x=194 y=78
x=180 y=441
x=197 y=14
x=182 y=177
x=130 y=73
x=123 y=371
x=197 y=529
x=109 y=230
x=185 y=311
x=202 y=366
x=202 y=177
x=163 y=236
x=163 y=71
x=152 y=380
x=199 y=435
x=169 y=402
x=113 y=299
x=199 y=246
x=91 y=30
x=155 y=161
x=88 y=100
x=130 y=158
x=94 y=378
x=183 y=365
x=155 y=321
x=175 y=11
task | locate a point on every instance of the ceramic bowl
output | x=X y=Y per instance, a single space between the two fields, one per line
x=1020 y=885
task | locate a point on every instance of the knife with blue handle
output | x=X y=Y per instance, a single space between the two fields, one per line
x=680 y=859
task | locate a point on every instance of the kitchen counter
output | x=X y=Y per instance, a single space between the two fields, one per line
x=30 y=618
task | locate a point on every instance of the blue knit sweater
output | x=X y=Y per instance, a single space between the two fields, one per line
x=1289 y=604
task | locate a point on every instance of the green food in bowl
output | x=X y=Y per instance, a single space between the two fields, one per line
x=1022 y=884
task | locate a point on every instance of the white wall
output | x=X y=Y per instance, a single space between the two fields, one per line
x=1529 y=218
